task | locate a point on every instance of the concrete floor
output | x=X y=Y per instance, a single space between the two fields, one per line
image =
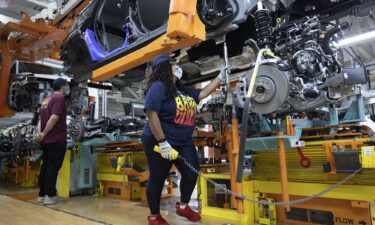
x=116 y=212
x=17 y=212
x=85 y=210
x=17 y=192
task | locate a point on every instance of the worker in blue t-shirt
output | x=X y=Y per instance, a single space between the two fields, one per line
x=171 y=110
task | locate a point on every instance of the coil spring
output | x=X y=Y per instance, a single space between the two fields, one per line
x=264 y=28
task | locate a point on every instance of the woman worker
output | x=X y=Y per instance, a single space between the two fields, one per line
x=171 y=109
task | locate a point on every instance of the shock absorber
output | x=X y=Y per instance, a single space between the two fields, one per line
x=263 y=26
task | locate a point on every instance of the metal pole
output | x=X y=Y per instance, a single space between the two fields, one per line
x=133 y=111
x=104 y=103
x=278 y=124
x=283 y=171
x=17 y=67
x=226 y=61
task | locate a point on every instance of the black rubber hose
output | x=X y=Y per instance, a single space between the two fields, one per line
x=92 y=113
x=253 y=45
x=304 y=106
x=327 y=49
x=243 y=135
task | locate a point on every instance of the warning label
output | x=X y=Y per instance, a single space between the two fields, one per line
x=367 y=150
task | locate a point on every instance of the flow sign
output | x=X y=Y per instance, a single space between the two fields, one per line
x=347 y=220
x=343 y=220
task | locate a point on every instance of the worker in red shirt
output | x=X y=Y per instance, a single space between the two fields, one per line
x=52 y=135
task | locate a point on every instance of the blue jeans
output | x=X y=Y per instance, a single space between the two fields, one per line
x=159 y=170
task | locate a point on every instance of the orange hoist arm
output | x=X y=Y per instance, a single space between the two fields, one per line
x=184 y=29
x=38 y=40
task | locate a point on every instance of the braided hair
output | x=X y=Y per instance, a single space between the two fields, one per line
x=163 y=72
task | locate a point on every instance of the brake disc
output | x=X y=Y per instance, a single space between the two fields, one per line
x=271 y=89
x=76 y=129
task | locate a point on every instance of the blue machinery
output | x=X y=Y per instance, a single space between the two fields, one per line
x=354 y=114
x=78 y=173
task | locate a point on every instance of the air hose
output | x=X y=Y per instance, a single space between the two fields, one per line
x=176 y=156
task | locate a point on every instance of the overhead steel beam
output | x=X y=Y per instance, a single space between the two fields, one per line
x=35 y=5
x=43 y=4
x=17 y=16
x=16 y=7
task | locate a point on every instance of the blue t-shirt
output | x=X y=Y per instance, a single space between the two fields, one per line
x=177 y=116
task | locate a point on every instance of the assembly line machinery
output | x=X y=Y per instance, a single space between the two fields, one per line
x=308 y=160
x=292 y=134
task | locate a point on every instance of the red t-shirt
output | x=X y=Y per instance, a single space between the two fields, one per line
x=54 y=104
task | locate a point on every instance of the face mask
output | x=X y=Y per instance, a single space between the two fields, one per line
x=178 y=73
x=67 y=92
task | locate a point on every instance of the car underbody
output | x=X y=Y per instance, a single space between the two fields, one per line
x=306 y=74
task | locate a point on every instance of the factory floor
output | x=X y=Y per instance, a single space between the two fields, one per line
x=17 y=192
x=88 y=210
x=17 y=212
x=117 y=212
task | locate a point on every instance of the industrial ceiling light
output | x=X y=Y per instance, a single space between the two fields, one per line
x=356 y=39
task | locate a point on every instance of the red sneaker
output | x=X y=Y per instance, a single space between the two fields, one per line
x=188 y=213
x=157 y=221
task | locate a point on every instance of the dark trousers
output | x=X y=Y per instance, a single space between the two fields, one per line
x=159 y=170
x=53 y=157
